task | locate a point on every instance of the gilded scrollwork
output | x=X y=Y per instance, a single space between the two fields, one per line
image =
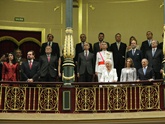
x=15 y=98
x=68 y=44
x=85 y=99
x=117 y=98
x=48 y=99
x=149 y=97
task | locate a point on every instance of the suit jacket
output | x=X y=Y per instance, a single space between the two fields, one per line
x=96 y=47
x=160 y=46
x=55 y=49
x=128 y=76
x=86 y=63
x=79 y=49
x=144 y=47
x=137 y=58
x=48 y=67
x=155 y=61
x=109 y=76
x=149 y=74
x=118 y=55
x=27 y=73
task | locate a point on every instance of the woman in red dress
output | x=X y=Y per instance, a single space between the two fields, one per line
x=10 y=69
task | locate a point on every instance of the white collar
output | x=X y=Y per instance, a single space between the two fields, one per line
x=30 y=60
x=145 y=67
x=154 y=48
x=86 y=51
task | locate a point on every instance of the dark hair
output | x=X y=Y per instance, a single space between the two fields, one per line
x=101 y=33
x=104 y=42
x=117 y=34
x=13 y=61
x=33 y=53
x=132 y=37
x=150 y=32
x=50 y=34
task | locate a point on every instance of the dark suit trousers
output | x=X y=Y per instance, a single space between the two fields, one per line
x=48 y=78
x=158 y=75
x=86 y=77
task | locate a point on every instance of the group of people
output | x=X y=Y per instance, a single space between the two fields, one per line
x=119 y=62
x=108 y=62
x=45 y=69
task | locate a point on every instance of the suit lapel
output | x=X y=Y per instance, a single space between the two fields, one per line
x=27 y=63
x=98 y=46
x=130 y=53
x=89 y=55
x=116 y=47
x=156 y=52
x=142 y=71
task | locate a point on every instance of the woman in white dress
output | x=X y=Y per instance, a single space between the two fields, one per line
x=129 y=72
x=109 y=74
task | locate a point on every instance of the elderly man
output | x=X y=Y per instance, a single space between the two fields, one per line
x=48 y=66
x=145 y=73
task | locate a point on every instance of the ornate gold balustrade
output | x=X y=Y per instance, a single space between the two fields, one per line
x=81 y=97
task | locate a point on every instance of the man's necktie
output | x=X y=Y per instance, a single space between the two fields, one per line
x=144 y=71
x=30 y=64
x=153 y=52
x=133 y=52
x=86 y=54
x=118 y=46
x=82 y=45
x=49 y=43
x=48 y=56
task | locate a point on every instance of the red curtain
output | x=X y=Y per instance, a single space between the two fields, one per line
x=13 y=39
x=30 y=45
x=7 y=46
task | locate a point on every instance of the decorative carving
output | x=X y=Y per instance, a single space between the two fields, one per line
x=15 y=98
x=48 y=99
x=149 y=97
x=117 y=98
x=85 y=99
x=68 y=44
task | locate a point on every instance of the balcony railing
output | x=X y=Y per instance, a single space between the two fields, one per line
x=53 y=97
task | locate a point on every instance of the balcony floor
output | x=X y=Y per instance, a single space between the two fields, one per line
x=152 y=117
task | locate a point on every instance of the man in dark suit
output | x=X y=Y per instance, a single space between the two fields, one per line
x=146 y=45
x=80 y=46
x=30 y=68
x=18 y=56
x=118 y=49
x=97 y=45
x=160 y=46
x=85 y=65
x=54 y=46
x=48 y=66
x=79 y=49
x=19 y=60
x=155 y=58
x=145 y=73
x=135 y=55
